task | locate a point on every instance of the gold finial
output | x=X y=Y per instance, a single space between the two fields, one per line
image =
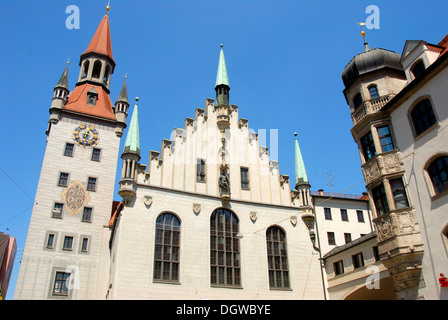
x=108 y=6
x=126 y=76
x=68 y=60
x=363 y=33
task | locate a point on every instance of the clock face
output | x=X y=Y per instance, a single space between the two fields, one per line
x=86 y=135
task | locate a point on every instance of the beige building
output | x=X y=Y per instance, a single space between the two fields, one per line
x=398 y=108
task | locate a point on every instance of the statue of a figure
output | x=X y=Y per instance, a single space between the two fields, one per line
x=224 y=183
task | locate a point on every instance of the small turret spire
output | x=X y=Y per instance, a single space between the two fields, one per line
x=63 y=81
x=301 y=175
x=132 y=144
x=222 y=86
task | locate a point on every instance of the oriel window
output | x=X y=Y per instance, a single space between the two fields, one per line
x=368 y=147
x=399 y=193
x=385 y=139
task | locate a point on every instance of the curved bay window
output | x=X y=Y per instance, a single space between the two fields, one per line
x=167 y=249
x=277 y=258
x=224 y=249
x=438 y=173
x=422 y=116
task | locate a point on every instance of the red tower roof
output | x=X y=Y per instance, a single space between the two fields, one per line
x=101 y=42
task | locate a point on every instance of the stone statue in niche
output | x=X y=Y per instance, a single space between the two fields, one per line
x=224 y=183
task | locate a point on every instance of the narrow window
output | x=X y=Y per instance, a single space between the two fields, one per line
x=438 y=173
x=224 y=249
x=277 y=258
x=106 y=74
x=385 y=139
x=373 y=92
x=376 y=253
x=358 y=260
x=68 y=152
x=327 y=213
x=357 y=101
x=68 y=243
x=360 y=215
x=60 y=283
x=344 y=216
x=84 y=245
x=422 y=116
x=167 y=248
x=63 y=179
x=399 y=193
x=380 y=200
x=96 y=154
x=87 y=215
x=96 y=69
x=244 y=178
x=50 y=241
x=347 y=237
x=200 y=170
x=91 y=184
x=338 y=267
x=331 y=240
x=86 y=69
x=368 y=147
x=418 y=69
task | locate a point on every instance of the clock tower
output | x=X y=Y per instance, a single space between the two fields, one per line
x=66 y=251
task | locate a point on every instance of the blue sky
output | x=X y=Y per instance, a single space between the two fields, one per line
x=284 y=60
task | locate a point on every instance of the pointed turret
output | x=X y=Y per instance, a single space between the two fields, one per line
x=132 y=144
x=222 y=86
x=131 y=157
x=60 y=95
x=303 y=187
x=301 y=175
x=121 y=108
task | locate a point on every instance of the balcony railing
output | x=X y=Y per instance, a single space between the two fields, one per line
x=369 y=107
x=380 y=165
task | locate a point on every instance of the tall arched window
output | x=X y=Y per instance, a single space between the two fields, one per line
x=224 y=249
x=167 y=248
x=277 y=258
x=422 y=116
x=438 y=172
x=96 y=69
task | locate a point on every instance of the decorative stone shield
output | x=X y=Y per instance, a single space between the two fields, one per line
x=196 y=208
x=253 y=215
x=293 y=220
x=75 y=197
x=147 y=200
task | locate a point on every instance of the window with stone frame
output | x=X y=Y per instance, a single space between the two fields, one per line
x=277 y=258
x=422 y=116
x=167 y=249
x=224 y=249
x=368 y=146
x=438 y=174
x=399 y=193
x=380 y=200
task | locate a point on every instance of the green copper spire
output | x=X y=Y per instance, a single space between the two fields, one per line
x=132 y=144
x=301 y=176
x=221 y=77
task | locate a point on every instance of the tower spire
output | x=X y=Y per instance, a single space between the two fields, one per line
x=132 y=144
x=222 y=86
x=301 y=175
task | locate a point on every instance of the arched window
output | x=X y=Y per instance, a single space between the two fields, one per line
x=86 y=69
x=422 y=116
x=167 y=248
x=438 y=173
x=106 y=74
x=224 y=249
x=277 y=258
x=96 y=69
x=357 y=101
x=418 y=69
x=373 y=89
